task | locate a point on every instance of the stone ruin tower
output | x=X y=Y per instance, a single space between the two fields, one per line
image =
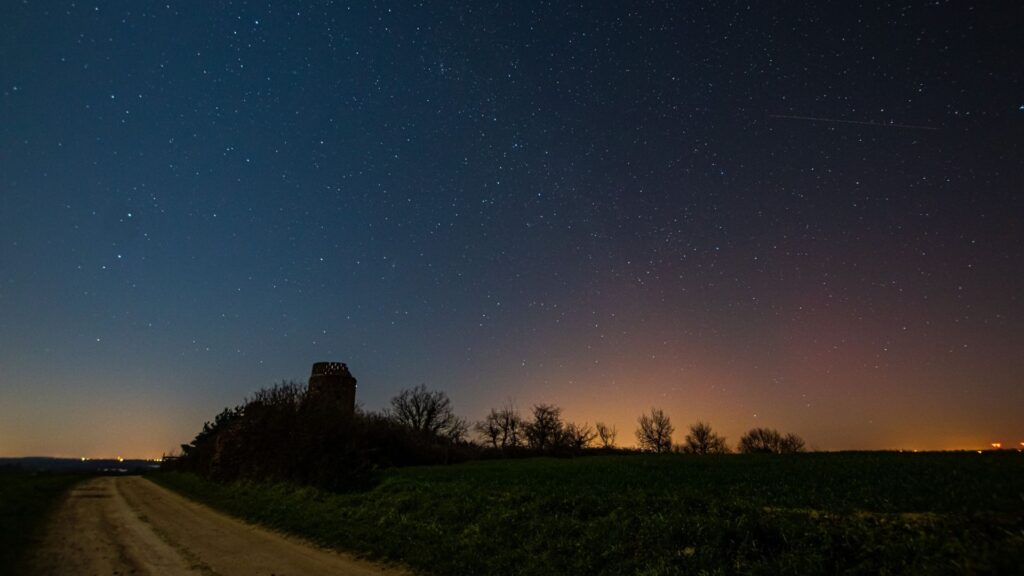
x=332 y=383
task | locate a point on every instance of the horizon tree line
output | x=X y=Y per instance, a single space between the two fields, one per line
x=284 y=433
x=505 y=429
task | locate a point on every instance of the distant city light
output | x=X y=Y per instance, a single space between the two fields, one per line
x=997 y=445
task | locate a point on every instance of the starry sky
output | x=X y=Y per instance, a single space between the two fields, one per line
x=799 y=215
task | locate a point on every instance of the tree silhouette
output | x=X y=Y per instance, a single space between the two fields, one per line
x=512 y=427
x=545 y=432
x=791 y=443
x=760 y=441
x=578 y=436
x=502 y=428
x=606 y=435
x=655 y=431
x=428 y=412
x=490 y=429
x=703 y=440
x=770 y=441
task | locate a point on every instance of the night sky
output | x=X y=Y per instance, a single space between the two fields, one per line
x=607 y=206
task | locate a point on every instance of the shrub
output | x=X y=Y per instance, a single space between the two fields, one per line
x=770 y=441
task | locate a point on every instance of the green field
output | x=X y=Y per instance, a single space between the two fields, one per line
x=26 y=500
x=858 y=513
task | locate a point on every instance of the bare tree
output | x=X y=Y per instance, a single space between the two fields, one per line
x=457 y=430
x=502 y=428
x=579 y=436
x=546 y=430
x=791 y=443
x=655 y=431
x=770 y=441
x=490 y=428
x=760 y=440
x=513 y=429
x=606 y=435
x=703 y=440
x=428 y=412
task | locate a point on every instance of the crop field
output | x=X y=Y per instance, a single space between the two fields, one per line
x=857 y=513
x=26 y=500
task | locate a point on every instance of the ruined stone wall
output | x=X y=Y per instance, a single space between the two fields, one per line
x=332 y=383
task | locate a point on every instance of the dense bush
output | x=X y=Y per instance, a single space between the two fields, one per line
x=282 y=433
x=703 y=440
x=770 y=441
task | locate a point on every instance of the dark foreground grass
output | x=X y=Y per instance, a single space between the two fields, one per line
x=870 y=513
x=26 y=500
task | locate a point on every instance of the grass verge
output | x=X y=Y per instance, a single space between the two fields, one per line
x=653 y=515
x=26 y=501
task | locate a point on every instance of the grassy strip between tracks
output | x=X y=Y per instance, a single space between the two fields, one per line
x=863 y=513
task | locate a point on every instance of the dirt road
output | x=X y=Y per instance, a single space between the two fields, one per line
x=128 y=525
